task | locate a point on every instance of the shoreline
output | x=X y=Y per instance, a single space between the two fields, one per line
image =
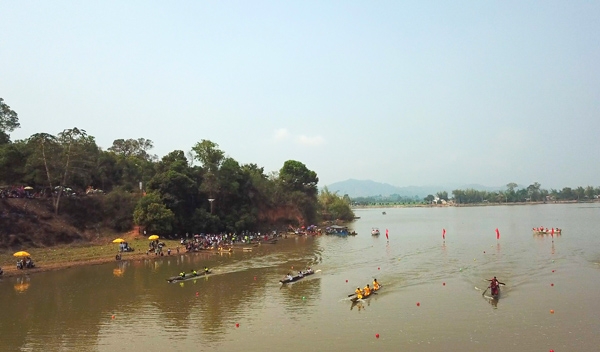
x=80 y=254
x=383 y=206
x=12 y=271
x=75 y=255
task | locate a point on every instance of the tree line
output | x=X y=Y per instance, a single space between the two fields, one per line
x=514 y=194
x=203 y=190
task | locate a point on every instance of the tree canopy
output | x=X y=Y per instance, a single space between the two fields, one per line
x=9 y=121
x=165 y=196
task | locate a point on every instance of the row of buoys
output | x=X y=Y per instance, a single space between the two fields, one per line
x=552 y=285
x=497 y=234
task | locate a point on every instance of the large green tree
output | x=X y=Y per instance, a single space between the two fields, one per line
x=300 y=186
x=153 y=215
x=295 y=176
x=333 y=206
x=9 y=121
x=67 y=160
x=210 y=157
x=139 y=148
x=13 y=160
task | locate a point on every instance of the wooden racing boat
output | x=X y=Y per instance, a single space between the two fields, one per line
x=355 y=298
x=297 y=277
x=189 y=276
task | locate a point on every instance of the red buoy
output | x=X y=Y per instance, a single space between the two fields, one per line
x=552 y=270
x=255 y=278
x=378 y=268
x=113 y=316
x=443 y=284
x=377 y=335
x=418 y=304
x=237 y=325
x=551 y=311
x=551 y=284
x=346 y=280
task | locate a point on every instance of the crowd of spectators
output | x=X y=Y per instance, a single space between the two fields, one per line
x=224 y=240
x=30 y=192
x=18 y=192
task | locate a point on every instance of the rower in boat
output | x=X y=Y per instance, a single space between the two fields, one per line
x=182 y=274
x=495 y=286
x=194 y=272
x=309 y=270
x=206 y=270
x=367 y=290
x=289 y=277
x=359 y=293
x=375 y=285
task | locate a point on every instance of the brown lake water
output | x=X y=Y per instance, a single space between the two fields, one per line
x=129 y=306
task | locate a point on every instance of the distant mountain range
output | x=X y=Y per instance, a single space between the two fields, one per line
x=368 y=188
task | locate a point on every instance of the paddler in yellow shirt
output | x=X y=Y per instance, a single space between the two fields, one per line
x=367 y=290
x=375 y=285
x=359 y=293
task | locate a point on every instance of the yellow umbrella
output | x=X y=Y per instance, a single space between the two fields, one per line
x=118 y=240
x=22 y=254
x=153 y=237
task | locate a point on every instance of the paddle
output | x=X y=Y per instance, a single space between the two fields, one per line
x=483 y=294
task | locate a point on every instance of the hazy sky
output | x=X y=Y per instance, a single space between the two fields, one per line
x=402 y=92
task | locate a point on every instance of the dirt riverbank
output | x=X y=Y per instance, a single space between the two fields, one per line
x=68 y=256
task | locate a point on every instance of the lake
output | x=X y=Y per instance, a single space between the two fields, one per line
x=431 y=299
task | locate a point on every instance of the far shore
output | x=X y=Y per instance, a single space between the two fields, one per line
x=483 y=204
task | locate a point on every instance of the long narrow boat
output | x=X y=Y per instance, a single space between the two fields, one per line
x=557 y=232
x=189 y=276
x=355 y=298
x=297 y=277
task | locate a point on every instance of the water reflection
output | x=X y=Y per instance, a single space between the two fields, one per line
x=492 y=301
x=22 y=284
x=358 y=304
